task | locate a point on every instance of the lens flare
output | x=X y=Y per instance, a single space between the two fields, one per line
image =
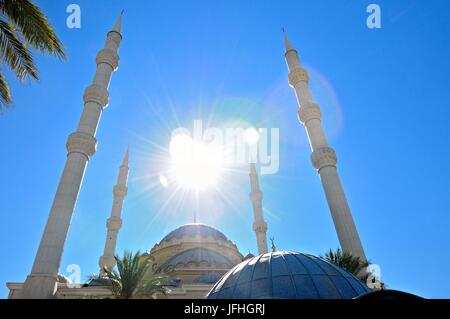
x=251 y=136
x=195 y=165
x=163 y=180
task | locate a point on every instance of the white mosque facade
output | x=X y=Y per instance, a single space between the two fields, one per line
x=200 y=260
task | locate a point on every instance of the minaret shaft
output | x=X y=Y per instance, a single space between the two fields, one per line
x=323 y=157
x=259 y=225
x=81 y=145
x=114 y=223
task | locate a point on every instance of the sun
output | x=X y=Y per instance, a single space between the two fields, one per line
x=194 y=164
x=251 y=136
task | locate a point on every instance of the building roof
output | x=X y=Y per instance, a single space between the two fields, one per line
x=287 y=275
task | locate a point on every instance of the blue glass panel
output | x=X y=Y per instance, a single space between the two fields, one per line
x=279 y=267
x=232 y=278
x=242 y=291
x=225 y=293
x=345 y=289
x=325 y=266
x=325 y=287
x=247 y=272
x=282 y=287
x=260 y=289
x=295 y=266
x=310 y=265
x=221 y=282
x=357 y=285
x=262 y=268
x=213 y=295
x=305 y=287
x=341 y=271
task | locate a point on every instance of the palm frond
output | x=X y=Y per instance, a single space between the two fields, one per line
x=15 y=53
x=131 y=279
x=115 y=281
x=33 y=25
x=346 y=260
x=5 y=93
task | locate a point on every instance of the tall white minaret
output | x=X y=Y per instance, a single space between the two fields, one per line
x=114 y=223
x=81 y=145
x=323 y=157
x=259 y=225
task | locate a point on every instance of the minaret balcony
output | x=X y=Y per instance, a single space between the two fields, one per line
x=309 y=111
x=109 y=57
x=324 y=156
x=114 y=223
x=96 y=94
x=260 y=227
x=120 y=191
x=79 y=142
x=298 y=75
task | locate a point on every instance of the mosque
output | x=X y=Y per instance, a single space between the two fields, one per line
x=201 y=260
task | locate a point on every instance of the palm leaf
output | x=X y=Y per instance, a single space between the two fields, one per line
x=5 y=93
x=131 y=279
x=33 y=25
x=15 y=53
x=347 y=261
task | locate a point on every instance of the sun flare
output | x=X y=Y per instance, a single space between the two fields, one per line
x=195 y=165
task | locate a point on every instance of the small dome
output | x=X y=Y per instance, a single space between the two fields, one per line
x=287 y=275
x=192 y=230
x=248 y=256
x=195 y=255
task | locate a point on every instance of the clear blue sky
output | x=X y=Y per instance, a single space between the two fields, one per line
x=384 y=94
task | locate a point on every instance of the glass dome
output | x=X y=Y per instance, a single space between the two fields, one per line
x=287 y=275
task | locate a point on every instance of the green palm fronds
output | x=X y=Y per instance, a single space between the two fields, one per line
x=23 y=26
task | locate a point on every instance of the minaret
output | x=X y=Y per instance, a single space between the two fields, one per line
x=114 y=223
x=323 y=157
x=259 y=226
x=81 y=145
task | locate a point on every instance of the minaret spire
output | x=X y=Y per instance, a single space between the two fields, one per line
x=125 y=158
x=118 y=26
x=259 y=225
x=81 y=145
x=323 y=157
x=114 y=223
x=287 y=44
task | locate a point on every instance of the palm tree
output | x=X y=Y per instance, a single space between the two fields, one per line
x=347 y=261
x=23 y=26
x=131 y=280
x=354 y=265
